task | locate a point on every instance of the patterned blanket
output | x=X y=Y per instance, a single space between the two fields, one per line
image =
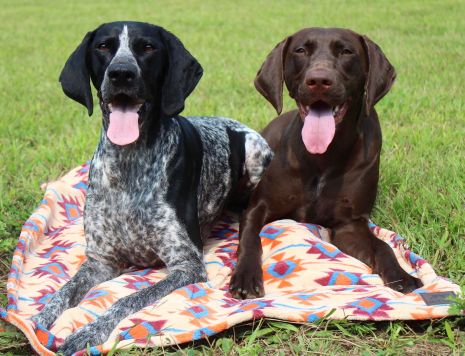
x=306 y=279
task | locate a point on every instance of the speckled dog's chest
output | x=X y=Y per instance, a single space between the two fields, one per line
x=122 y=225
x=124 y=206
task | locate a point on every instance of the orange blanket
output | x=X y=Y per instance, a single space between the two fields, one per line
x=305 y=280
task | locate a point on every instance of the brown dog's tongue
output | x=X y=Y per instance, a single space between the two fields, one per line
x=319 y=129
x=124 y=125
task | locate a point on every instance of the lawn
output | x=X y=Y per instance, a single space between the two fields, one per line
x=422 y=188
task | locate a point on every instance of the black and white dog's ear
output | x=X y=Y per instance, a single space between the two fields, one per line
x=380 y=76
x=183 y=74
x=270 y=78
x=74 y=77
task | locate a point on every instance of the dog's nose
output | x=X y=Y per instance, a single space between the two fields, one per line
x=121 y=76
x=319 y=81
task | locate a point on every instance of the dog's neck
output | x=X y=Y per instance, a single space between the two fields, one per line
x=121 y=165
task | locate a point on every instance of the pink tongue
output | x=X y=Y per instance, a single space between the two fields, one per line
x=124 y=126
x=318 y=131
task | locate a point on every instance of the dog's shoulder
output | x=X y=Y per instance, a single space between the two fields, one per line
x=191 y=137
x=247 y=151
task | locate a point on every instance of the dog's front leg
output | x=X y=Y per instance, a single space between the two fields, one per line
x=247 y=278
x=356 y=239
x=91 y=273
x=95 y=333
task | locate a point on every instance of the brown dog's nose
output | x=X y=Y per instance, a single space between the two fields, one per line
x=319 y=81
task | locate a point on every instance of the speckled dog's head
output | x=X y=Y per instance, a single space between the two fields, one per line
x=141 y=72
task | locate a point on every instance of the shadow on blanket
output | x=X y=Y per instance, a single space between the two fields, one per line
x=305 y=280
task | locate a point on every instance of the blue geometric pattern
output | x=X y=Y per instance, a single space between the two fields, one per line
x=225 y=250
x=46 y=298
x=72 y=211
x=126 y=335
x=271 y=232
x=312 y=318
x=142 y=272
x=94 y=351
x=200 y=333
x=195 y=291
x=256 y=304
x=97 y=293
x=282 y=269
x=336 y=275
x=198 y=311
x=50 y=336
x=323 y=250
x=81 y=186
x=55 y=249
x=226 y=234
x=374 y=305
x=305 y=296
x=313 y=229
x=413 y=257
x=31 y=225
x=141 y=284
x=54 y=269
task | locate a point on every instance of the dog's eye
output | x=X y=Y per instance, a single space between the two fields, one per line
x=346 y=52
x=148 y=48
x=299 y=50
x=104 y=47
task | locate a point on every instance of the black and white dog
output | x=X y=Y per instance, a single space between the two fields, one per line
x=157 y=180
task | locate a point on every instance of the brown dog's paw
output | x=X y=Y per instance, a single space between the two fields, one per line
x=401 y=281
x=247 y=281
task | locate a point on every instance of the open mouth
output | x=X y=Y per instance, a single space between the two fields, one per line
x=337 y=111
x=123 y=127
x=320 y=120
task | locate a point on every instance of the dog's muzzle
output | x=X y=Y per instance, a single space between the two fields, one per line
x=122 y=88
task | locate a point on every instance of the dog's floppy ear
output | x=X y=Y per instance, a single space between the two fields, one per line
x=183 y=74
x=74 y=77
x=270 y=78
x=380 y=76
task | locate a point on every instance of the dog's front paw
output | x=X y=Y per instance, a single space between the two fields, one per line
x=89 y=335
x=247 y=280
x=401 y=281
x=44 y=319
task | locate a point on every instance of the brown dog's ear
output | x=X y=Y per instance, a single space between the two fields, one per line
x=74 y=77
x=381 y=74
x=270 y=78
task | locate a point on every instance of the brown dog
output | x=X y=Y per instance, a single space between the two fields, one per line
x=326 y=164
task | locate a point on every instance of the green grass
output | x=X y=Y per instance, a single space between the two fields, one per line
x=422 y=188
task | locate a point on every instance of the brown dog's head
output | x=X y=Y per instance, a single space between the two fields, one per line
x=332 y=74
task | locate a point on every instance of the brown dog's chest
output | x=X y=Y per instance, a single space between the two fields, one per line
x=320 y=201
x=329 y=189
